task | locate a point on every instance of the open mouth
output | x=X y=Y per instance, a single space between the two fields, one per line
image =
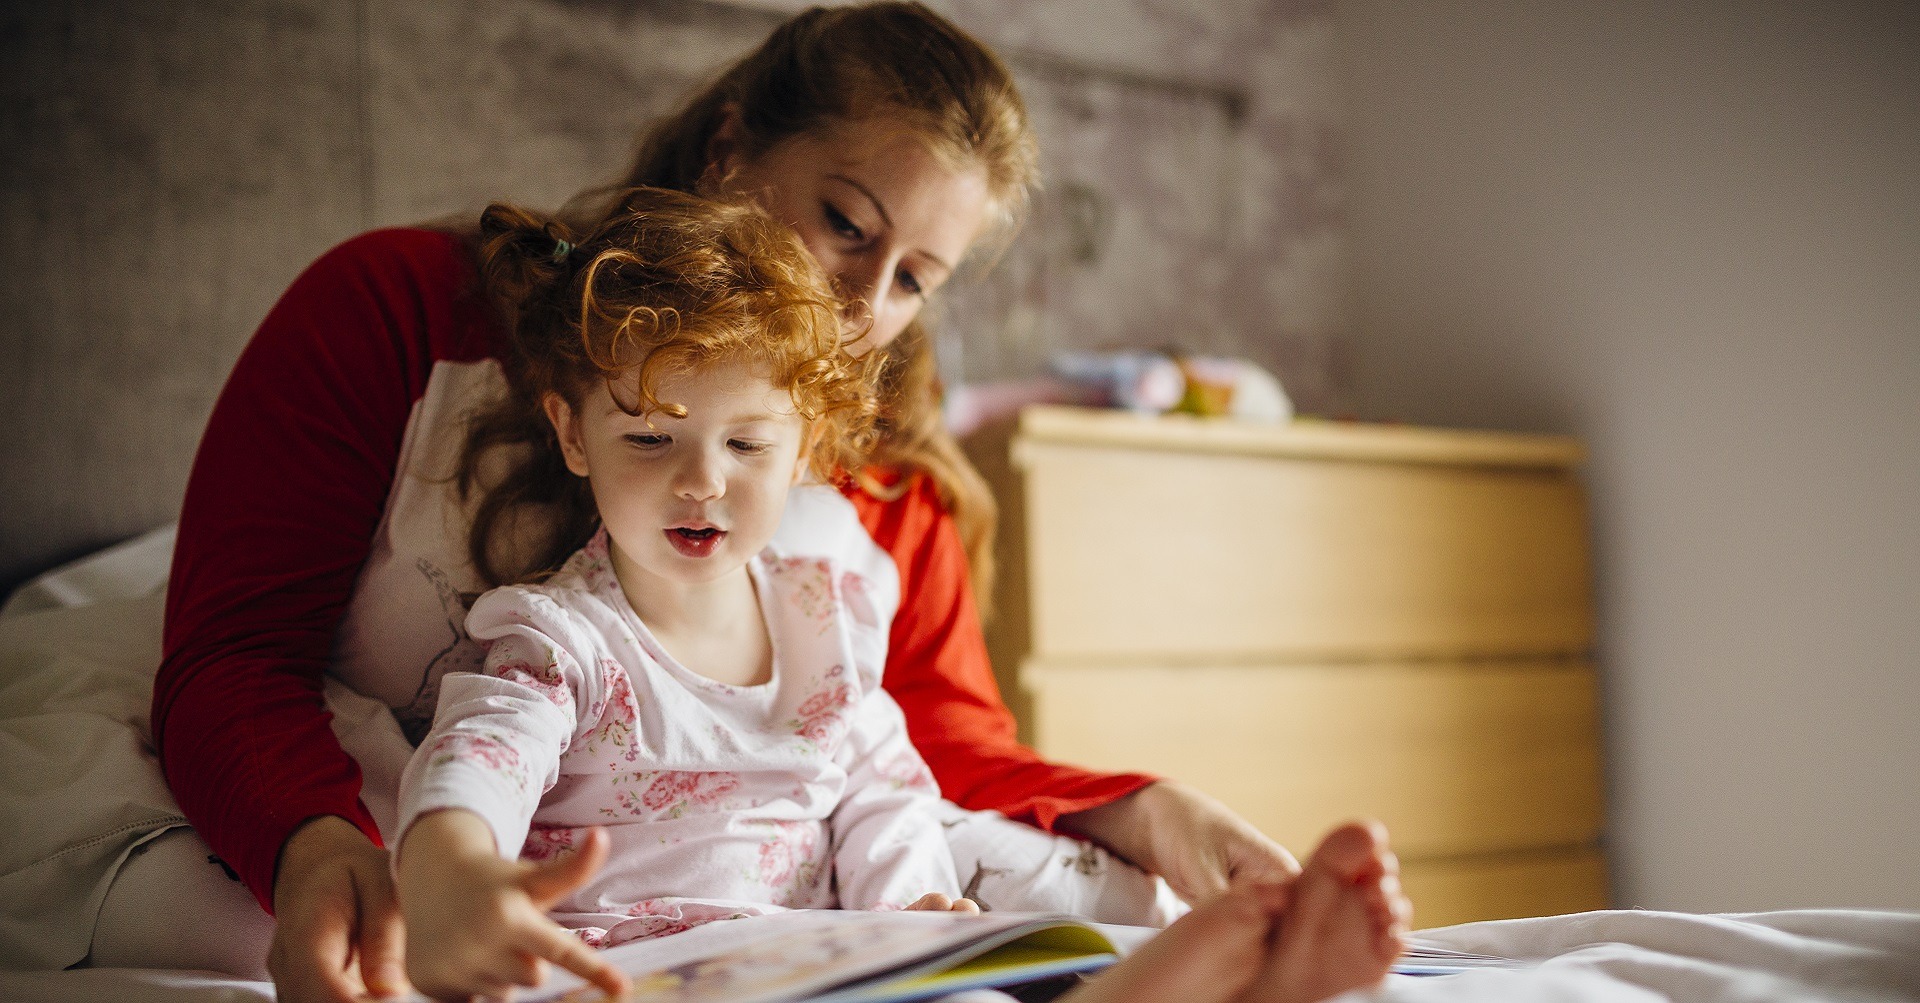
x=695 y=542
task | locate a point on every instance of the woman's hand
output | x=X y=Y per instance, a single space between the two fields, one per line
x=477 y=924
x=1196 y=843
x=337 y=936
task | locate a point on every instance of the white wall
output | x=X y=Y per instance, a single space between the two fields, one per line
x=1689 y=234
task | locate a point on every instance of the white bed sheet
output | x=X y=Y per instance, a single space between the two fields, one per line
x=79 y=790
x=1841 y=956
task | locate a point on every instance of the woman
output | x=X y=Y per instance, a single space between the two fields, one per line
x=324 y=531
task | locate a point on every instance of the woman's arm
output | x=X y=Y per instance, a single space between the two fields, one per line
x=285 y=495
x=937 y=671
x=281 y=507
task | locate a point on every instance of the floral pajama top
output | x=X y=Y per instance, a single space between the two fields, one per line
x=721 y=801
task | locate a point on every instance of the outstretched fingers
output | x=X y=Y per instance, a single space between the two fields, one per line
x=543 y=941
x=553 y=944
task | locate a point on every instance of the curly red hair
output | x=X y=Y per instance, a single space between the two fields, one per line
x=664 y=282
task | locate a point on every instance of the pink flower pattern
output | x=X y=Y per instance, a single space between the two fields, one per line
x=542 y=679
x=493 y=752
x=789 y=859
x=822 y=718
x=544 y=843
x=619 y=717
x=670 y=793
x=813 y=591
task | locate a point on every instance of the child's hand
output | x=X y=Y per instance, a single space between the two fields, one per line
x=936 y=902
x=477 y=925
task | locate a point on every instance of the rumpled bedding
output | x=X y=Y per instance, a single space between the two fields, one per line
x=80 y=791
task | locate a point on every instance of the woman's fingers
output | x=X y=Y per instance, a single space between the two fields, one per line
x=549 y=882
x=316 y=957
x=383 y=938
x=311 y=956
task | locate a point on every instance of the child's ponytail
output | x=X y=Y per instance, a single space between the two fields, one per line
x=526 y=265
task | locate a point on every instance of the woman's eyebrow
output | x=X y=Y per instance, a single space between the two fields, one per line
x=878 y=206
x=881 y=208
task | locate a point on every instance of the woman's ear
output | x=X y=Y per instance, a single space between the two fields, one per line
x=566 y=428
x=725 y=147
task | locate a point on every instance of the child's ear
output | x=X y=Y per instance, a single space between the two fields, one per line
x=809 y=444
x=566 y=428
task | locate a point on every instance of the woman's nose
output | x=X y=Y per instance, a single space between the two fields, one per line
x=862 y=287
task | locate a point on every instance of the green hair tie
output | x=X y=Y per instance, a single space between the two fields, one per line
x=560 y=251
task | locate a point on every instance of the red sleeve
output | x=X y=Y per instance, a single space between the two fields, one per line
x=937 y=670
x=287 y=490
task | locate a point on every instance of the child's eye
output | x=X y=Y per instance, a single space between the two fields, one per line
x=911 y=283
x=748 y=447
x=648 y=440
x=841 y=224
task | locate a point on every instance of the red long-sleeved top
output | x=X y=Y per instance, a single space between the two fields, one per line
x=292 y=486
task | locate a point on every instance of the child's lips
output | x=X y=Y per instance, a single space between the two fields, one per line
x=695 y=541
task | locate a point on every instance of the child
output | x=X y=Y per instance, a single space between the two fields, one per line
x=704 y=689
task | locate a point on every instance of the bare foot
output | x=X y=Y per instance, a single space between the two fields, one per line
x=1345 y=924
x=1209 y=956
x=936 y=902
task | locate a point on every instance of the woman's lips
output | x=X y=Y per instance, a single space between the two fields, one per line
x=695 y=542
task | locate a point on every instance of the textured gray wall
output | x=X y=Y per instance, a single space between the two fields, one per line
x=168 y=169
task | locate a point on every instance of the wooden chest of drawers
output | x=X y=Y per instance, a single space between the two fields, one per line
x=1315 y=623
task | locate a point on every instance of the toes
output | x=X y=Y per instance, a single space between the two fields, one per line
x=1353 y=853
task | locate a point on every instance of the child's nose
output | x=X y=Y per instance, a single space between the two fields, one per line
x=700 y=478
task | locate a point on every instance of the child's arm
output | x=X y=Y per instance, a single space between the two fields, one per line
x=470 y=792
x=476 y=923
x=889 y=847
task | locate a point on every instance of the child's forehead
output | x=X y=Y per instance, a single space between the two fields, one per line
x=721 y=390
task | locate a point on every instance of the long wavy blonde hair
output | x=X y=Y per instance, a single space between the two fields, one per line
x=828 y=68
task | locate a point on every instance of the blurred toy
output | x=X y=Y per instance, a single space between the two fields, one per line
x=1232 y=388
x=1138 y=381
x=1145 y=382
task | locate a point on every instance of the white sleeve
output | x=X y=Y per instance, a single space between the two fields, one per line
x=888 y=846
x=498 y=734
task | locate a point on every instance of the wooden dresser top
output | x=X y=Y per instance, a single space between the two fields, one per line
x=1301 y=439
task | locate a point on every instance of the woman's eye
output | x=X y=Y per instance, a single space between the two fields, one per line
x=648 y=440
x=841 y=224
x=748 y=447
x=910 y=283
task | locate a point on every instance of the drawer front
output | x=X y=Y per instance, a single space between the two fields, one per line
x=1182 y=558
x=1467 y=890
x=1456 y=759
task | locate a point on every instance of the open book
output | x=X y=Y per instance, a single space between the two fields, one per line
x=833 y=956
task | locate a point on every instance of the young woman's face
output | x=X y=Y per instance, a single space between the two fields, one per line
x=687 y=501
x=877 y=209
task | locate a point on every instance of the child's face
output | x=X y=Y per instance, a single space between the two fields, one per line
x=687 y=501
